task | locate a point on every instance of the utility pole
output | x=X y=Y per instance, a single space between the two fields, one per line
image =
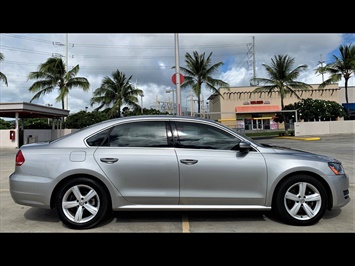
x=251 y=60
x=254 y=69
x=65 y=99
x=66 y=107
x=177 y=63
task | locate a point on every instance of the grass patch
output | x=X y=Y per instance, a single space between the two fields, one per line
x=268 y=133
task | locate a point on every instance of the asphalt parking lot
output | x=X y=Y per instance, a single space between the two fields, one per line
x=16 y=218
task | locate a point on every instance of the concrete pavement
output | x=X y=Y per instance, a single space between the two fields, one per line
x=18 y=218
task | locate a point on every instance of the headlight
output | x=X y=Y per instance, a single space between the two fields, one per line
x=337 y=168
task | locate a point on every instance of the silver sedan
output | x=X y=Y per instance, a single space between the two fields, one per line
x=173 y=163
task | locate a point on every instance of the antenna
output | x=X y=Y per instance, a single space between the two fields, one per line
x=251 y=59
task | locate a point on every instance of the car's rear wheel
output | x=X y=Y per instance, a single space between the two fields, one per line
x=82 y=203
x=300 y=200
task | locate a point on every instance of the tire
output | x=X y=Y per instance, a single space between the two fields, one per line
x=300 y=200
x=82 y=203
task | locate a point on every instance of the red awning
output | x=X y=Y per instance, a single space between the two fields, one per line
x=257 y=109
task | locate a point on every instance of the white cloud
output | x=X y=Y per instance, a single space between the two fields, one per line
x=149 y=59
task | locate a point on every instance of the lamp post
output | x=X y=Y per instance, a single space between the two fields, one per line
x=142 y=95
x=49 y=105
x=186 y=104
x=192 y=100
x=173 y=91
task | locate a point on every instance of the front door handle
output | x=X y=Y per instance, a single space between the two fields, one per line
x=188 y=161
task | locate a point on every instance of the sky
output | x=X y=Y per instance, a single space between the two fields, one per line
x=148 y=58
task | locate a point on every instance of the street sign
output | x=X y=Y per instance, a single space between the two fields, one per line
x=173 y=78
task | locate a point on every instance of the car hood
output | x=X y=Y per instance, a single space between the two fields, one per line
x=291 y=151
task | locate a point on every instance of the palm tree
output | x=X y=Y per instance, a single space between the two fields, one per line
x=282 y=78
x=115 y=92
x=2 y=76
x=51 y=75
x=199 y=70
x=342 y=67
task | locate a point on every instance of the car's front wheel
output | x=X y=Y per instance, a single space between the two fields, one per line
x=300 y=200
x=82 y=203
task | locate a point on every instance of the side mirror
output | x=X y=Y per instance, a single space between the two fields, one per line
x=244 y=146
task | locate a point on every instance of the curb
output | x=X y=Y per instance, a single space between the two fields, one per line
x=299 y=138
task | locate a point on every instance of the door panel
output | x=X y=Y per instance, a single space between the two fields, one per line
x=222 y=177
x=142 y=175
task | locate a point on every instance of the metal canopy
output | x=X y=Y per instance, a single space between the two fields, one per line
x=30 y=110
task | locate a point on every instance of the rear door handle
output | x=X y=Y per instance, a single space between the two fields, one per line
x=108 y=160
x=188 y=161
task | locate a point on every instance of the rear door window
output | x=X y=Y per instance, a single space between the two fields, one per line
x=135 y=134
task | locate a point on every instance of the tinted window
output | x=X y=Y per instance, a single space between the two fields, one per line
x=99 y=139
x=139 y=134
x=200 y=136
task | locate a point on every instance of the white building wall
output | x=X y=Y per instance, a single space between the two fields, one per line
x=30 y=136
x=324 y=128
x=351 y=94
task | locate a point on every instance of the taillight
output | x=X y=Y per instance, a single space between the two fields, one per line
x=20 y=159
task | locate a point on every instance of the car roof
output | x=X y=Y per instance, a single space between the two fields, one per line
x=155 y=117
x=83 y=133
